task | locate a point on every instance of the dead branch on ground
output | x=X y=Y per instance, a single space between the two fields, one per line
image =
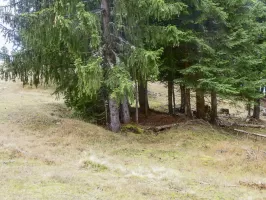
x=261 y=186
x=249 y=133
x=162 y=128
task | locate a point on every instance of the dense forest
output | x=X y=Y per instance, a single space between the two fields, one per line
x=100 y=55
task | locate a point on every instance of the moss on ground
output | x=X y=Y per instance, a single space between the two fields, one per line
x=134 y=128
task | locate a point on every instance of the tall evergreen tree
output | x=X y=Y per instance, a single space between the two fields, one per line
x=82 y=47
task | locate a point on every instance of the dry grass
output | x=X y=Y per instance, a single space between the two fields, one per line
x=46 y=155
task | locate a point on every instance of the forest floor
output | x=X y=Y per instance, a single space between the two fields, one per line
x=46 y=154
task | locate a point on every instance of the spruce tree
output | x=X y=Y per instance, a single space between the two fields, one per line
x=83 y=48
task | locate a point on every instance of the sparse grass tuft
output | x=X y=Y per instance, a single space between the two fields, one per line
x=94 y=166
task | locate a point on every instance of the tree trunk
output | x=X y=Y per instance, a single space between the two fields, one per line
x=200 y=104
x=115 y=124
x=214 y=107
x=183 y=98
x=174 y=98
x=114 y=115
x=106 y=19
x=249 y=109
x=256 y=112
x=125 y=115
x=170 y=97
x=137 y=102
x=188 y=105
x=143 y=98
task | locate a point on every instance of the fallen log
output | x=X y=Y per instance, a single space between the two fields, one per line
x=250 y=125
x=241 y=125
x=161 y=128
x=249 y=133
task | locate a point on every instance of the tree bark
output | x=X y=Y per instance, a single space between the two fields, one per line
x=170 y=97
x=143 y=98
x=256 y=112
x=106 y=19
x=137 y=102
x=183 y=98
x=115 y=124
x=200 y=104
x=174 y=98
x=125 y=115
x=249 y=109
x=214 y=107
x=188 y=111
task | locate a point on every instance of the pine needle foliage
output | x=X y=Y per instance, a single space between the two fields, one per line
x=211 y=45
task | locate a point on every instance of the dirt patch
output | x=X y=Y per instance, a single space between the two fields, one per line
x=156 y=118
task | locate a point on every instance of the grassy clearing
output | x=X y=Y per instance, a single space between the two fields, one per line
x=50 y=156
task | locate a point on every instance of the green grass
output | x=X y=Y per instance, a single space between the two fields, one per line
x=95 y=166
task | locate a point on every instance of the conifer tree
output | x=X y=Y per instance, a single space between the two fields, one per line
x=236 y=68
x=63 y=42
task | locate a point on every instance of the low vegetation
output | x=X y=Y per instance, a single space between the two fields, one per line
x=64 y=158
